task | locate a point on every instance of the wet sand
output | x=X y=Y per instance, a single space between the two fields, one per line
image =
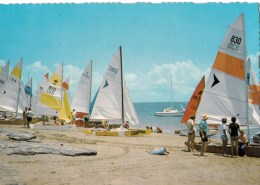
x=124 y=160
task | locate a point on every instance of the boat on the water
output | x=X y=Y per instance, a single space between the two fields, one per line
x=170 y=112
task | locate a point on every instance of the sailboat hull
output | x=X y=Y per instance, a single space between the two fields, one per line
x=121 y=133
x=53 y=127
x=173 y=114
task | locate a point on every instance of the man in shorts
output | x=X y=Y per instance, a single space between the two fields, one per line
x=233 y=131
x=203 y=134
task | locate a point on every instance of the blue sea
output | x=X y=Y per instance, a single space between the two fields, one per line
x=146 y=111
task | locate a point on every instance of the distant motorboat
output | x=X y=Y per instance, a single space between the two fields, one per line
x=170 y=112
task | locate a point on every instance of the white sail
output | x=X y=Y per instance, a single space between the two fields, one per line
x=4 y=72
x=253 y=98
x=108 y=104
x=130 y=113
x=37 y=109
x=50 y=99
x=225 y=94
x=82 y=96
x=10 y=94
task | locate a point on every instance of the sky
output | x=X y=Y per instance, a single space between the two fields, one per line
x=159 y=41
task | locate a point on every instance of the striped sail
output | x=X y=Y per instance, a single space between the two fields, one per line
x=82 y=96
x=253 y=97
x=37 y=109
x=108 y=104
x=50 y=99
x=225 y=94
x=9 y=96
x=65 y=111
x=194 y=101
x=4 y=72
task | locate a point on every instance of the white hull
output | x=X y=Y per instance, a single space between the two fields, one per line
x=53 y=127
x=174 y=114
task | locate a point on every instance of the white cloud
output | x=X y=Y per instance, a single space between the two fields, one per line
x=2 y=62
x=155 y=85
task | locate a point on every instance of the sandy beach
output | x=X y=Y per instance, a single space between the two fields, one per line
x=124 y=160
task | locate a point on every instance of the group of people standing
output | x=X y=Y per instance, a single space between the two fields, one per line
x=27 y=116
x=233 y=130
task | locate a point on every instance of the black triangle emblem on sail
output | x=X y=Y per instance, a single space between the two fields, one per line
x=216 y=81
x=106 y=84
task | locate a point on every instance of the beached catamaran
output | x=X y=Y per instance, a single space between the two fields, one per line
x=53 y=101
x=113 y=102
x=226 y=91
x=82 y=97
x=10 y=94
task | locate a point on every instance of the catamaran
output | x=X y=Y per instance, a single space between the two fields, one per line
x=54 y=101
x=10 y=94
x=226 y=91
x=113 y=102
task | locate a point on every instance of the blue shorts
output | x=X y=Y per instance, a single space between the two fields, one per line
x=224 y=137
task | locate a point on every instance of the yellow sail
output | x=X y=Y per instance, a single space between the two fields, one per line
x=65 y=112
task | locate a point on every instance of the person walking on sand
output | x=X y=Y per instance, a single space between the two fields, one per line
x=29 y=117
x=203 y=134
x=24 y=116
x=223 y=136
x=233 y=131
x=191 y=130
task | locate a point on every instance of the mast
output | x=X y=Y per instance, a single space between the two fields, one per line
x=31 y=92
x=19 y=90
x=122 y=89
x=89 y=103
x=61 y=85
x=171 y=91
x=247 y=80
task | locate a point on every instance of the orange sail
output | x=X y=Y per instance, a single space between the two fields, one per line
x=194 y=101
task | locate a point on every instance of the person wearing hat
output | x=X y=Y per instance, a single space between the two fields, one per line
x=223 y=135
x=203 y=134
x=191 y=133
